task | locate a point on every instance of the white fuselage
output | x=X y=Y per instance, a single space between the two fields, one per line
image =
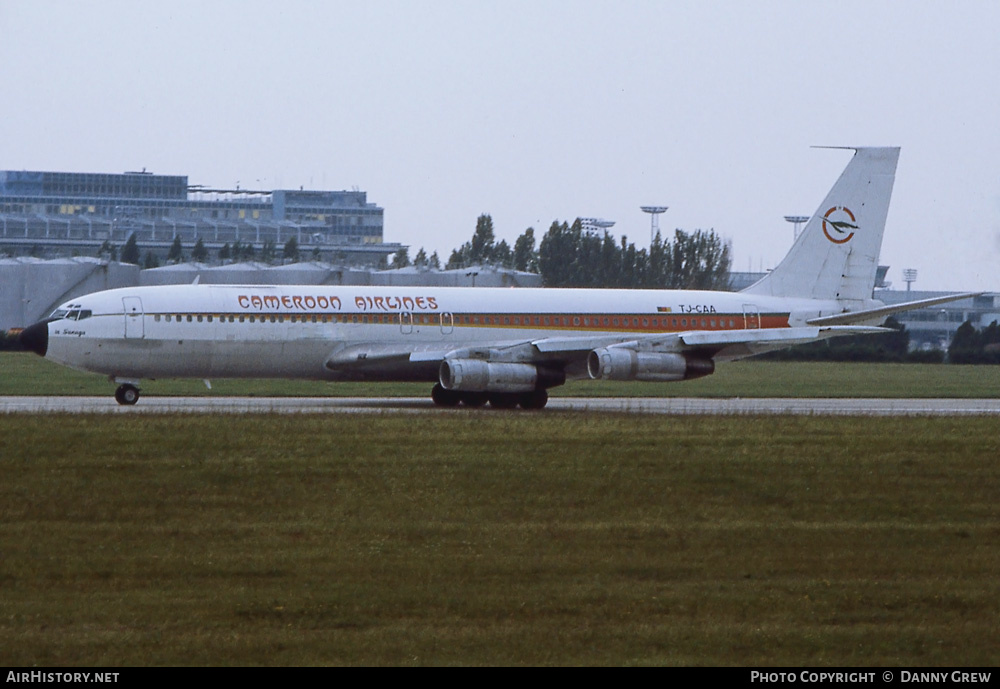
x=223 y=331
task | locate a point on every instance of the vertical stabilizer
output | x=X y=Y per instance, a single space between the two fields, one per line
x=836 y=255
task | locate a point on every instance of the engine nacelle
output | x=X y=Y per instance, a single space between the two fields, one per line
x=619 y=363
x=476 y=375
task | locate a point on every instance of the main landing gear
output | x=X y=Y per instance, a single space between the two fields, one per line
x=536 y=399
x=127 y=394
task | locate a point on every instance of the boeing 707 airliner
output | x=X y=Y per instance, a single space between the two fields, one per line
x=505 y=347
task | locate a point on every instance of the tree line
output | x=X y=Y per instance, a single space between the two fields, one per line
x=569 y=256
x=891 y=347
x=234 y=252
x=972 y=346
x=969 y=345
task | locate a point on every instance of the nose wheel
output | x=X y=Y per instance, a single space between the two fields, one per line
x=127 y=394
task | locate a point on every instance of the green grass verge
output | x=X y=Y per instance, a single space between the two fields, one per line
x=26 y=374
x=494 y=539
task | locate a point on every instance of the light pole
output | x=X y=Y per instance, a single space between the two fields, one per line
x=796 y=220
x=654 y=223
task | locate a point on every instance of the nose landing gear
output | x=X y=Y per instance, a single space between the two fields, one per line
x=127 y=394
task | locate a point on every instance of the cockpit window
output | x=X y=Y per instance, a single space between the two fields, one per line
x=73 y=313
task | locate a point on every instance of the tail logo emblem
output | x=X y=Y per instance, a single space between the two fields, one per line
x=839 y=224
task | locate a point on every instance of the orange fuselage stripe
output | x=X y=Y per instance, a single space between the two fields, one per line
x=588 y=322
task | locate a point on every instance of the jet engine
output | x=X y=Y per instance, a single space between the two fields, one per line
x=619 y=363
x=477 y=375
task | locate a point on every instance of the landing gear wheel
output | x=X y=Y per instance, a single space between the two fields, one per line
x=474 y=399
x=445 y=398
x=503 y=400
x=127 y=394
x=536 y=399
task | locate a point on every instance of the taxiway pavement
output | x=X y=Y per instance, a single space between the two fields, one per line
x=627 y=405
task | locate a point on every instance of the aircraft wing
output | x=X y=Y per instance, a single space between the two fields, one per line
x=737 y=344
x=884 y=311
x=719 y=345
x=571 y=352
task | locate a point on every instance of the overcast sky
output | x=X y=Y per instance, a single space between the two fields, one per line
x=534 y=111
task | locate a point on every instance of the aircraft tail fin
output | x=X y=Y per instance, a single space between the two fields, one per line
x=836 y=255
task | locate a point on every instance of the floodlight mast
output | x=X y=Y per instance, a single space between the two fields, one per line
x=654 y=223
x=797 y=220
x=909 y=277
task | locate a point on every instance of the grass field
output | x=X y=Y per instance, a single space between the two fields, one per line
x=498 y=538
x=27 y=374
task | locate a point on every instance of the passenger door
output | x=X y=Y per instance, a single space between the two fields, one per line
x=134 y=318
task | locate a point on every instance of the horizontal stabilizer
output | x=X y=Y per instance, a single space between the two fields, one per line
x=884 y=311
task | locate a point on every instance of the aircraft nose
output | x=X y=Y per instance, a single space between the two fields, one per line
x=35 y=338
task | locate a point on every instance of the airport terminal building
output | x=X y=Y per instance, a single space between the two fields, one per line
x=54 y=214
